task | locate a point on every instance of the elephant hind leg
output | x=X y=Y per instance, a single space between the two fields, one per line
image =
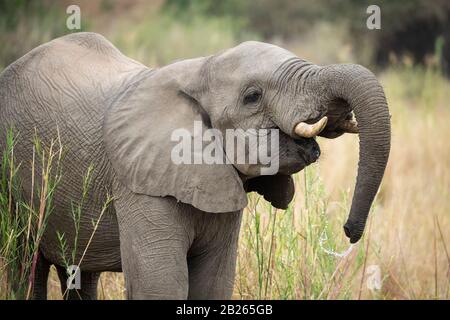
x=40 y=278
x=88 y=285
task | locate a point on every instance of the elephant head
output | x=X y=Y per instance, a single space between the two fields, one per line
x=252 y=86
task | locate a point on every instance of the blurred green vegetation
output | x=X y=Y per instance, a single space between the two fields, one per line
x=164 y=38
x=25 y=24
x=412 y=28
x=157 y=32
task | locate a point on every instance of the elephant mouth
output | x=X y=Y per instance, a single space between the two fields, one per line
x=297 y=154
x=310 y=151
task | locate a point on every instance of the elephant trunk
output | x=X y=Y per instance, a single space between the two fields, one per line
x=362 y=92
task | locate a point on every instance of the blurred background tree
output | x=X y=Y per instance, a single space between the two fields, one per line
x=25 y=24
x=417 y=29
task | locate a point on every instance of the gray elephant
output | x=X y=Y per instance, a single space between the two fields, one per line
x=173 y=228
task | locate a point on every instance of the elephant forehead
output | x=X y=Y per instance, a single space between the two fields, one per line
x=254 y=57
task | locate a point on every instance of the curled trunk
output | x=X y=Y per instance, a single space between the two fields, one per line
x=362 y=92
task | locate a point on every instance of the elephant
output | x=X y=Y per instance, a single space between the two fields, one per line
x=172 y=229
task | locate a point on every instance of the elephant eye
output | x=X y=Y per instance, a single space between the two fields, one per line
x=252 y=97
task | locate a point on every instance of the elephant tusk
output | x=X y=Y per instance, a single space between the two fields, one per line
x=349 y=126
x=310 y=130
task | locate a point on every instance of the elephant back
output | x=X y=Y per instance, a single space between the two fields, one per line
x=60 y=91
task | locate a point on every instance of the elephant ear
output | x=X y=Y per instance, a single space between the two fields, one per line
x=277 y=189
x=138 y=132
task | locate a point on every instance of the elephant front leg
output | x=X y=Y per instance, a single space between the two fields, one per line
x=153 y=245
x=212 y=257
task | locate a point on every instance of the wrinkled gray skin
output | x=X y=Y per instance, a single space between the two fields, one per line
x=173 y=229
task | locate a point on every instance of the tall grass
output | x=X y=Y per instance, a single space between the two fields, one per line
x=76 y=212
x=287 y=254
x=23 y=221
